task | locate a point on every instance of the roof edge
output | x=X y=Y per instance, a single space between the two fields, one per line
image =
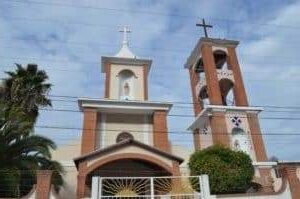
x=124 y=144
x=192 y=58
x=126 y=61
x=94 y=103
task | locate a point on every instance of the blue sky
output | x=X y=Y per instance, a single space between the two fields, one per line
x=67 y=39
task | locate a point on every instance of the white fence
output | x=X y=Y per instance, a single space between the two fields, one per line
x=185 y=187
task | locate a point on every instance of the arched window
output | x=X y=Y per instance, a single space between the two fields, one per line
x=240 y=141
x=203 y=97
x=126 y=85
x=124 y=136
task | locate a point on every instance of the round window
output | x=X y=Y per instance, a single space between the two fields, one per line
x=124 y=136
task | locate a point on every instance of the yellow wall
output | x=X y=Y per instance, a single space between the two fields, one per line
x=111 y=125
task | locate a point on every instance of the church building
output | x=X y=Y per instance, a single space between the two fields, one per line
x=126 y=135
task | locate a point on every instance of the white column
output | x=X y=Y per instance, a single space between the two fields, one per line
x=102 y=130
x=146 y=133
x=204 y=187
x=95 y=187
x=152 y=187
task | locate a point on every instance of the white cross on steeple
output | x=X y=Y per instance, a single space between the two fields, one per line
x=125 y=30
x=125 y=51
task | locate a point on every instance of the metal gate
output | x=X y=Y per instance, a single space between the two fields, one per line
x=182 y=187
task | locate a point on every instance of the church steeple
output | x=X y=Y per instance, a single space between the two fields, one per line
x=126 y=74
x=223 y=115
x=222 y=112
x=125 y=52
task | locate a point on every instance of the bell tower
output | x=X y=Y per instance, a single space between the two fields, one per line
x=126 y=74
x=222 y=112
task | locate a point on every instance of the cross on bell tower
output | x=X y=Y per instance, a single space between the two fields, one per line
x=205 y=26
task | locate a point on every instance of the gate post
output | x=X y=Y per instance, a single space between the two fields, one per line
x=204 y=187
x=96 y=187
x=152 y=187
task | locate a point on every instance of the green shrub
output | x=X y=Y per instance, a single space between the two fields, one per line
x=229 y=171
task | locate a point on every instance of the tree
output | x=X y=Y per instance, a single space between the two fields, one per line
x=26 y=88
x=229 y=171
x=22 y=153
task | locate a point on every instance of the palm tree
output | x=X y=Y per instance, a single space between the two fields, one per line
x=22 y=153
x=26 y=88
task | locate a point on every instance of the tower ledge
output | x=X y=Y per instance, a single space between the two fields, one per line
x=203 y=116
x=195 y=54
x=124 y=106
x=123 y=60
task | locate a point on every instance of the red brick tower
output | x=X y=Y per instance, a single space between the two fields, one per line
x=223 y=115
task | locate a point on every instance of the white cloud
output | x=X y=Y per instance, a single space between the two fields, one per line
x=76 y=38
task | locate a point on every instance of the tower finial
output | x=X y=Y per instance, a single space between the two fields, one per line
x=205 y=26
x=125 y=51
x=125 y=30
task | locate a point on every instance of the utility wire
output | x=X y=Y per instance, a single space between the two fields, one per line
x=173 y=102
x=145 y=12
x=190 y=107
x=75 y=100
x=87 y=130
x=178 y=115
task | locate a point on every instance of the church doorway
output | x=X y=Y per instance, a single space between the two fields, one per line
x=127 y=177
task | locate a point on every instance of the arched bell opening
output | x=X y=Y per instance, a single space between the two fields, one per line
x=128 y=177
x=199 y=68
x=203 y=96
x=220 y=58
x=226 y=88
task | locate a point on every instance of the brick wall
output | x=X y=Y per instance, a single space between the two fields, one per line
x=289 y=172
x=88 y=139
x=219 y=129
x=107 y=80
x=194 y=79
x=145 y=74
x=43 y=184
x=239 y=91
x=160 y=131
x=257 y=138
x=213 y=88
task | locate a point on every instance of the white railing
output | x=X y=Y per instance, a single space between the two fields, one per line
x=185 y=187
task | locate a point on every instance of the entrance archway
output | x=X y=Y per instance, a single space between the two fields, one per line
x=129 y=167
x=123 y=173
x=123 y=165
